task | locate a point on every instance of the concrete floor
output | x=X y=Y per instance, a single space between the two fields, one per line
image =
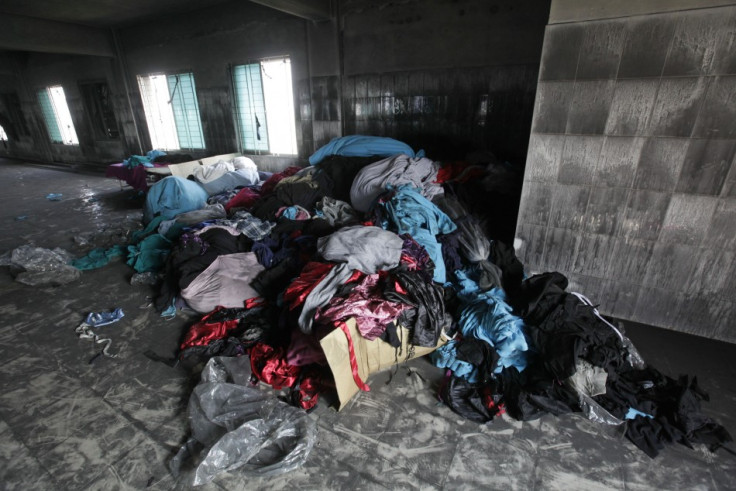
x=114 y=424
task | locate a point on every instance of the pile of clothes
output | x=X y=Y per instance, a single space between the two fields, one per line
x=374 y=232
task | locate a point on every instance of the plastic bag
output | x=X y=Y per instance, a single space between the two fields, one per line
x=36 y=266
x=241 y=427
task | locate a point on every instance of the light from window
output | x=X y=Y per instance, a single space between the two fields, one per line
x=56 y=115
x=172 y=112
x=265 y=106
x=3 y=135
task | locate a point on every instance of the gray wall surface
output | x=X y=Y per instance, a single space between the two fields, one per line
x=630 y=182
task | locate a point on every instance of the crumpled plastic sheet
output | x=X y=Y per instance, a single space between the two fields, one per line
x=237 y=426
x=36 y=266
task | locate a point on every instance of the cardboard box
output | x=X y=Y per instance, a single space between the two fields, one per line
x=372 y=356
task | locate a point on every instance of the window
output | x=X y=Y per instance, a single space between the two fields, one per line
x=56 y=115
x=3 y=135
x=172 y=112
x=264 y=103
x=98 y=104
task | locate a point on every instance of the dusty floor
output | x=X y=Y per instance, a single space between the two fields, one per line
x=114 y=424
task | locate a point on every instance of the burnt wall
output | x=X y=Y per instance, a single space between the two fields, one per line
x=630 y=183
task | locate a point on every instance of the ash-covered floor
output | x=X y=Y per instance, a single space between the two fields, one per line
x=116 y=422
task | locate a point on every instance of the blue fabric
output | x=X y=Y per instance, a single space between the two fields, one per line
x=487 y=316
x=633 y=413
x=97 y=319
x=171 y=196
x=413 y=214
x=446 y=357
x=152 y=154
x=363 y=146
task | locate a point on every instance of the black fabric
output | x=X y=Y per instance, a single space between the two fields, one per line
x=195 y=355
x=573 y=330
x=270 y=282
x=342 y=171
x=479 y=354
x=532 y=393
x=468 y=400
x=316 y=227
x=428 y=316
x=303 y=190
x=673 y=404
x=538 y=296
x=173 y=158
x=503 y=256
x=390 y=335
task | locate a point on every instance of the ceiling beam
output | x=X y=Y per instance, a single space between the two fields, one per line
x=21 y=33
x=315 y=10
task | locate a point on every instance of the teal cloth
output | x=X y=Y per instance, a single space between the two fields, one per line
x=149 y=254
x=96 y=258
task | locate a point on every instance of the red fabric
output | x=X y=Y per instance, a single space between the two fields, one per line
x=203 y=333
x=312 y=383
x=458 y=171
x=269 y=365
x=245 y=198
x=353 y=360
x=270 y=184
x=302 y=286
x=400 y=288
x=254 y=302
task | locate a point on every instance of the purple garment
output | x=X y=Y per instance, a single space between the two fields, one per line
x=366 y=304
x=414 y=257
x=304 y=349
x=135 y=177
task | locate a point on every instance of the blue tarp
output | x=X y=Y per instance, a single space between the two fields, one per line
x=363 y=146
x=171 y=196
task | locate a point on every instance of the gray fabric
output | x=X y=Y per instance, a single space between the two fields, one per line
x=232 y=180
x=337 y=213
x=368 y=249
x=372 y=180
x=225 y=282
x=588 y=379
x=209 y=212
x=322 y=293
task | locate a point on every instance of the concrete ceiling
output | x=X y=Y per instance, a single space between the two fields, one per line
x=101 y=13
x=115 y=13
x=83 y=26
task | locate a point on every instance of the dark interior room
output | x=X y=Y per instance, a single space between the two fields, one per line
x=351 y=244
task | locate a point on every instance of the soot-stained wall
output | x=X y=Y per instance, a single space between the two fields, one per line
x=630 y=183
x=450 y=76
x=446 y=75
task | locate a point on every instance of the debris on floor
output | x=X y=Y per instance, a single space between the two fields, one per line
x=296 y=289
